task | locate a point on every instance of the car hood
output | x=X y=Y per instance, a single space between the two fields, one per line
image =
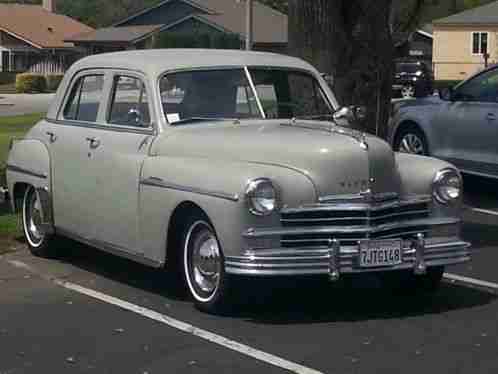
x=337 y=160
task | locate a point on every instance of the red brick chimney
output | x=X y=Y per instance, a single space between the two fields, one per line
x=49 y=5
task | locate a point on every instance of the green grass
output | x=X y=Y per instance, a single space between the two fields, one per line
x=14 y=127
x=11 y=127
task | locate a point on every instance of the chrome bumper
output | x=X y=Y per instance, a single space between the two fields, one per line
x=335 y=260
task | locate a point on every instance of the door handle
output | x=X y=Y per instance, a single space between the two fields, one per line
x=94 y=142
x=491 y=117
x=52 y=137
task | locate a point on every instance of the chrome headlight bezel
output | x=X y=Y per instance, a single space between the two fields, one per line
x=253 y=187
x=446 y=178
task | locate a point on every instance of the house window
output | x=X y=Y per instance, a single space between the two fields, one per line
x=479 y=43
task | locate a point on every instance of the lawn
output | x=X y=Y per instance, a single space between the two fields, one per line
x=14 y=127
x=11 y=127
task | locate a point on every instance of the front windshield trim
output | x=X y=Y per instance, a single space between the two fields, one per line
x=255 y=92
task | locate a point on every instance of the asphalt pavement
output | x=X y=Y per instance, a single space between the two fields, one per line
x=91 y=312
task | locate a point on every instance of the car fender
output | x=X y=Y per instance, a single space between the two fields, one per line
x=28 y=163
x=415 y=115
x=218 y=189
x=417 y=174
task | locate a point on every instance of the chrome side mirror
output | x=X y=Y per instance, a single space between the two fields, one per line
x=351 y=113
x=344 y=114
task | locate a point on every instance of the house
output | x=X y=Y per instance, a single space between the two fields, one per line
x=196 y=18
x=417 y=45
x=32 y=38
x=466 y=42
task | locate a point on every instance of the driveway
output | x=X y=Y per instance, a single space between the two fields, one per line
x=19 y=104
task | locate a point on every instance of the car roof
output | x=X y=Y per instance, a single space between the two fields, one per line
x=157 y=61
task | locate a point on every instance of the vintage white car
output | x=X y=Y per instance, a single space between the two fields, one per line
x=219 y=163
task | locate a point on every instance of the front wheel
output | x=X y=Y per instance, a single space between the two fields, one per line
x=412 y=140
x=40 y=243
x=203 y=266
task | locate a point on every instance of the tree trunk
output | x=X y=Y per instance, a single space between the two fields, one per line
x=350 y=39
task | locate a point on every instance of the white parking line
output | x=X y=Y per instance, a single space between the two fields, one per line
x=179 y=325
x=471 y=281
x=484 y=211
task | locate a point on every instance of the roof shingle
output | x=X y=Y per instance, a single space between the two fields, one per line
x=38 y=26
x=125 y=34
x=483 y=15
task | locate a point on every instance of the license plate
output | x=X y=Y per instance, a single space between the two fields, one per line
x=375 y=253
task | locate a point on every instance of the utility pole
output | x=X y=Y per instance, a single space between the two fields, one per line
x=249 y=24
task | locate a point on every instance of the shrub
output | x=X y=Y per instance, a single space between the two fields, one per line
x=7 y=78
x=29 y=83
x=53 y=81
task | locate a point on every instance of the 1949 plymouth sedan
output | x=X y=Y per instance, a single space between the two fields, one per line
x=219 y=163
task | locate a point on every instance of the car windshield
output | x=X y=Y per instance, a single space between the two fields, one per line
x=194 y=96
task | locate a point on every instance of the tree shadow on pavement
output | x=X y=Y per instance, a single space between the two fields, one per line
x=283 y=301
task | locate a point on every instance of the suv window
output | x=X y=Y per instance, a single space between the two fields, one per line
x=85 y=99
x=483 y=88
x=129 y=106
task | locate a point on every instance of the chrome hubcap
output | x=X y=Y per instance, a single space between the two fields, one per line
x=408 y=92
x=204 y=260
x=33 y=218
x=411 y=143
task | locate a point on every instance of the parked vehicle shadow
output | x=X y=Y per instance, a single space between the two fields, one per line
x=288 y=300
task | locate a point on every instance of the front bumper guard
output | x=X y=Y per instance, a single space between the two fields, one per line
x=335 y=259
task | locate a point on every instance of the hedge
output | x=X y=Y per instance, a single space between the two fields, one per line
x=30 y=83
x=7 y=78
x=53 y=81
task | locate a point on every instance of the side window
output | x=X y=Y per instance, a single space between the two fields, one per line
x=84 y=101
x=129 y=106
x=483 y=88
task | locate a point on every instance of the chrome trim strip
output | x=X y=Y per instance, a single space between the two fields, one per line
x=158 y=182
x=365 y=229
x=33 y=173
x=255 y=92
x=110 y=248
x=317 y=260
x=352 y=218
x=479 y=174
x=351 y=206
x=381 y=197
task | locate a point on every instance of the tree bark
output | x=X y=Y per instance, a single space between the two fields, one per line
x=350 y=39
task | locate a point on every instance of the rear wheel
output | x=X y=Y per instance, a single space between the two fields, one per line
x=203 y=266
x=40 y=243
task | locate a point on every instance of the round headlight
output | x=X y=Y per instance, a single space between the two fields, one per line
x=261 y=196
x=447 y=186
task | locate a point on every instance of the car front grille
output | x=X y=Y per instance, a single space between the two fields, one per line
x=315 y=226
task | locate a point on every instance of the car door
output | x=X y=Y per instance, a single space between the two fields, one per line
x=467 y=126
x=68 y=140
x=123 y=146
